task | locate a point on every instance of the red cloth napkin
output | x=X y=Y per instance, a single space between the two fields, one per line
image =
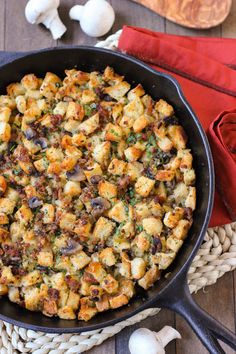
x=204 y=69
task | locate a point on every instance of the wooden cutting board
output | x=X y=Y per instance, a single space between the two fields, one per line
x=191 y=13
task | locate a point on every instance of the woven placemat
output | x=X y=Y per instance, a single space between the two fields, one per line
x=216 y=256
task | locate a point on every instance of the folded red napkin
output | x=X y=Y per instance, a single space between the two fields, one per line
x=204 y=69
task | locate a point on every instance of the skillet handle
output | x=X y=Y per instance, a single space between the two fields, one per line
x=206 y=327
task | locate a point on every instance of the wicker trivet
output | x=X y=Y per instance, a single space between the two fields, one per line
x=216 y=256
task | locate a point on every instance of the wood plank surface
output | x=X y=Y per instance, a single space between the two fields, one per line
x=2 y=24
x=17 y=35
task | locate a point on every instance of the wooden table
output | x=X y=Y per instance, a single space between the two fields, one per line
x=17 y=35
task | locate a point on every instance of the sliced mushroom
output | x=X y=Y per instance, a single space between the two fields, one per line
x=71 y=248
x=99 y=206
x=42 y=142
x=34 y=202
x=77 y=174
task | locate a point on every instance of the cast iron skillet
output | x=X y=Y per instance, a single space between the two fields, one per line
x=171 y=292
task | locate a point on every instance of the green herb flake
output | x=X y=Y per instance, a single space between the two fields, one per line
x=131 y=139
x=139 y=228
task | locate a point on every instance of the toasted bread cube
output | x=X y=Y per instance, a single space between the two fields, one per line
x=189 y=177
x=80 y=260
x=144 y=185
x=165 y=175
x=96 y=270
x=5 y=113
x=7 y=205
x=186 y=159
x=69 y=162
x=103 y=303
x=4 y=234
x=134 y=109
x=177 y=136
x=79 y=139
x=31 y=278
x=141 y=211
x=83 y=227
x=173 y=244
x=164 y=259
x=73 y=300
x=15 y=89
x=49 y=307
x=142 y=241
x=126 y=122
x=21 y=104
x=152 y=226
x=72 y=188
x=41 y=165
x=103 y=229
x=75 y=111
x=88 y=96
x=93 y=170
x=138 y=91
x=87 y=309
x=5 y=131
x=24 y=214
x=61 y=108
x=180 y=192
x=140 y=123
x=150 y=277
x=125 y=266
x=54 y=168
x=113 y=132
x=132 y=153
x=190 y=201
x=181 y=230
x=107 y=190
x=48 y=211
x=165 y=144
x=3 y=219
x=111 y=77
x=30 y=82
x=118 y=90
x=156 y=209
x=118 y=301
x=72 y=126
x=14 y=294
x=107 y=257
x=6 y=276
x=45 y=258
x=54 y=154
x=32 y=299
x=89 y=125
x=127 y=288
x=110 y=284
x=138 y=268
x=3 y=289
x=67 y=221
x=101 y=152
x=134 y=170
x=7 y=101
x=119 y=212
x=66 y=313
x=172 y=218
x=49 y=85
x=117 y=167
x=164 y=109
